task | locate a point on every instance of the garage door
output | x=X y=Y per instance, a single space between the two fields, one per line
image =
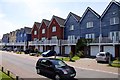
x=41 y=49
x=94 y=50
x=57 y=49
x=110 y=49
x=67 y=49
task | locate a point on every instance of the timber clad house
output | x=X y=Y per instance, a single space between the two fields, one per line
x=61 y=35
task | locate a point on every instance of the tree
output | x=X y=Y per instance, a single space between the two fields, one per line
x=81 y=44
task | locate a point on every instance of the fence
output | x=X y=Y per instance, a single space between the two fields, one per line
x=10 y=74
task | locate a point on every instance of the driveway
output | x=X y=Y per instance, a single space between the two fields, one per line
x=91 y=64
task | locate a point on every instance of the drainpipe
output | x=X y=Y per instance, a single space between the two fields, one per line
x=100 y=36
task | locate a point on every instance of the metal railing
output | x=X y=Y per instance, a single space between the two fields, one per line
x=105 y=40
x=10 y=74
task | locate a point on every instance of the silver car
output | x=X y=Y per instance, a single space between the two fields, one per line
x=103 y=56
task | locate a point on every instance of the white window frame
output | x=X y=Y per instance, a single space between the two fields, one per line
x=86 y=36
x=43 y=38
x=71 y=27
x=25 y=35
x=90 y=36
x=114 y=20
x=54 y=37
x=43 y=31
x=54 y=29
x=21 y=35
x=89 y=24
x=35 y=32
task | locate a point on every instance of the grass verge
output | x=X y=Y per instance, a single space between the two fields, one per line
x=115 y=63
x=3 y=76
x=68 y=59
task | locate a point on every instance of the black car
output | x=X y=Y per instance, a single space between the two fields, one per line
x=55 y=69
x=48 y=53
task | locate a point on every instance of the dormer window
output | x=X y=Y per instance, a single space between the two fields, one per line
x=89 y=24
x=35 y=32
x=43 y=31
x=114 y=20
x=71 y=27
x=54 y=29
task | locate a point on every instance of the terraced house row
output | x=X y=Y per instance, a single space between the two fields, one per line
x=62 y=35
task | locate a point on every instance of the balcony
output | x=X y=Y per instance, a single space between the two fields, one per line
x=69 y=42
x=45 y=42
x=105 y=41
x=16 y=44
x=53 y=42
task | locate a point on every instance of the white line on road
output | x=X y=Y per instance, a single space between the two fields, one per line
x=97 y=70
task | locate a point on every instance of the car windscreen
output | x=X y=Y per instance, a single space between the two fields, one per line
x=58 y=63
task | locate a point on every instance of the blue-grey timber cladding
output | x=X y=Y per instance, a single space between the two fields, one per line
x=90 y=16
x=112 y=11
x=71 y=20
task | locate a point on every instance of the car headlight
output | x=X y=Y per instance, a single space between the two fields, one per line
x=65 y=72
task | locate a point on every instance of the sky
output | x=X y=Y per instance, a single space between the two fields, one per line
x=16 y=14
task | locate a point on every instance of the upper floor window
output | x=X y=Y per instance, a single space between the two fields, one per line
x=89 y=24
x=54 y=29
x=35 y=32
x=71 y=37
x=43 y=31
x=72 y=27
x=90 y=36
x=114 y=20
x=43 y=38
x=24 y=35
x=115 y=35
x=21 y=35
x=54 y=37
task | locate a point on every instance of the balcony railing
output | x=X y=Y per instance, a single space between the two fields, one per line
x=16 y=44
x=53 y=42
x=69 y=42
x=45 y=42
x=106 y=40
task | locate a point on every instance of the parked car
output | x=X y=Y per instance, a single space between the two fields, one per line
x=4 y=49
x=16 y=49
x=103 y=56
x=48 y=53
x=28 y=51
x=9 y=49
x=55 y=69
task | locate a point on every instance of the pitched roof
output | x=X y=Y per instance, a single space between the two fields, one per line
x=46 y=22
x=59 y=20
x=112 y=2
x=27 y=30
x=89 y=9
x=77 y=18
x=37 y=24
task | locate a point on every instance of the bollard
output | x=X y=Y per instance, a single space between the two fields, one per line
x=17 y=77
x=8 y=73
x=2 y=69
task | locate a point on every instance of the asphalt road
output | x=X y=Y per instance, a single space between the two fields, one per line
x=24 y=67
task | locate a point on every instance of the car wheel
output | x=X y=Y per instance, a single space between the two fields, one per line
x=57 y=77
x=38 y=71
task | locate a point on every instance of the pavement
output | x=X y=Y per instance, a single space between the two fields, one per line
x=83 y=63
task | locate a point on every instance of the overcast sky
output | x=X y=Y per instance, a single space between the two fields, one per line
x=16 y=14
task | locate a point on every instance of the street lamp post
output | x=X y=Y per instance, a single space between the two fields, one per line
x=100 y=36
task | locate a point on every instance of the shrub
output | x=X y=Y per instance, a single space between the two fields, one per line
x=80 y=54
